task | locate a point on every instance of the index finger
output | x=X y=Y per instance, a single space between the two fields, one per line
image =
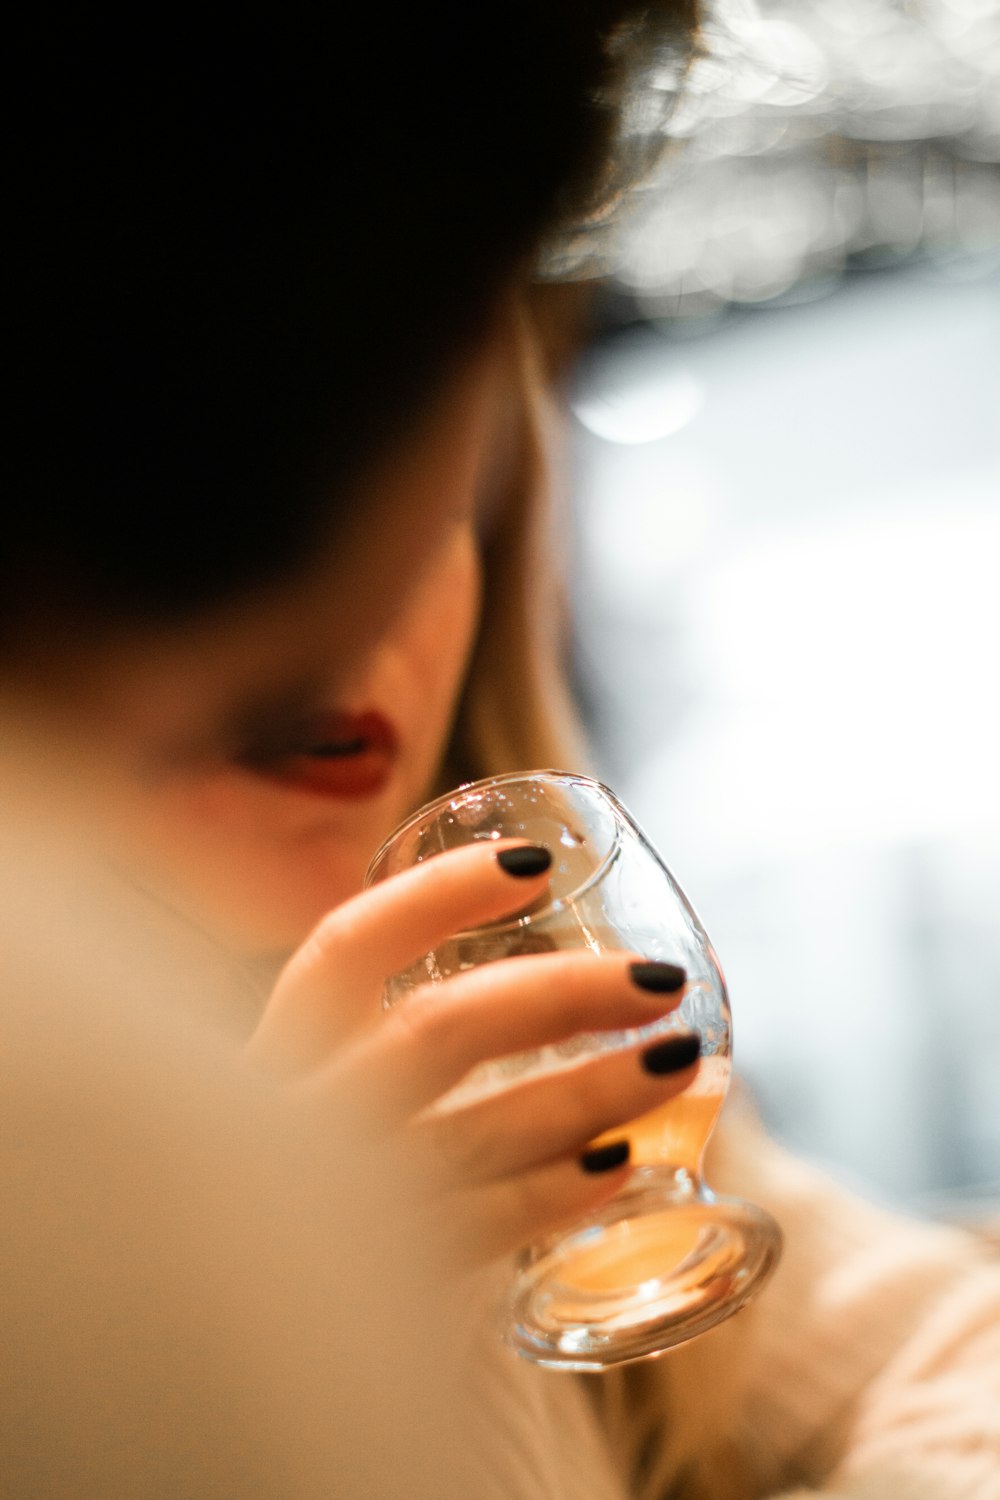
x=333 y=983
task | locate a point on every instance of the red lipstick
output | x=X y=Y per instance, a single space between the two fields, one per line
x=337 y=754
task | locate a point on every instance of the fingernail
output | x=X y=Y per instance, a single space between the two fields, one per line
x=662 y=979
x=529 y=859
x=673 y=1053
x=606 y=1158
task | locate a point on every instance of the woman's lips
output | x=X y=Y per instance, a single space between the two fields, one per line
x=342 y=755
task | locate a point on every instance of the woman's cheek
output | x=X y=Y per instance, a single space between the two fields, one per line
x=256 y=866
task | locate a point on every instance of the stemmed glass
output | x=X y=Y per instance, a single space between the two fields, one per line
x=666 y=1258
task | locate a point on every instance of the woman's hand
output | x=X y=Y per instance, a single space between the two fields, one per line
x=517 y=1162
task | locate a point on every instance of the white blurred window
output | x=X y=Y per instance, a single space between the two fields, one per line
x=788 y=600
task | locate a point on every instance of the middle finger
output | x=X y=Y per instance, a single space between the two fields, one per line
x=431 y=1040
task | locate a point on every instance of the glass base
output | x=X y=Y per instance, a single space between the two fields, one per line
x=664 y=1261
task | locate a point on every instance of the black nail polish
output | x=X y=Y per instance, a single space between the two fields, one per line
x=673 y=1053
x=529 y=859
x=606 y=1158
x=662 y=979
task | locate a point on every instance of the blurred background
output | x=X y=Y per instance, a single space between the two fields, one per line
x=786 y=455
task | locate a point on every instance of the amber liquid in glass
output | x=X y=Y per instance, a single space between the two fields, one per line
x=675 y=1135
x=676 y=1132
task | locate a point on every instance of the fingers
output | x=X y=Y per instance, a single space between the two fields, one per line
x=334 y=982
x=520 y=1163
x=503 y=1196
x=544 y=1119
x=429 y=1042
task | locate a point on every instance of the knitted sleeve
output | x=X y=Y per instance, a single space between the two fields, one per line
x=872 y=1370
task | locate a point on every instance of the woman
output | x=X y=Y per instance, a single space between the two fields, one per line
x=250 y=700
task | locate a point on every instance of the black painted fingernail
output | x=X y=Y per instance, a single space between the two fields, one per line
x=529 y=859
x=673 y=1053
x=662 y=979
x=606 y=1158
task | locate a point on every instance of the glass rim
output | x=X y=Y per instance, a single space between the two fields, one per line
x=548 y=773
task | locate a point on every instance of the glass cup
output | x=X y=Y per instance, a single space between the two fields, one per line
x=666 y=1259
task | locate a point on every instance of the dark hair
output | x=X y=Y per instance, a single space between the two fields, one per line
x=247 y=242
